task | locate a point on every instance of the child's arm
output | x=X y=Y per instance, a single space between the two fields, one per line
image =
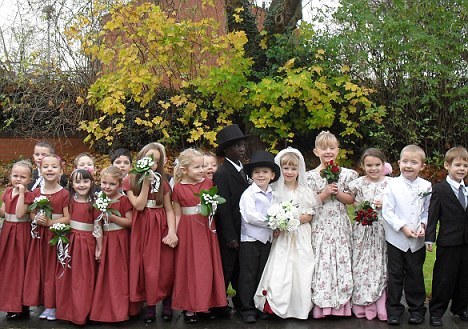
x=328 y=191
x=171 y=238
x=305 y=218
x=177 y=213
x=98 y=251
x=2 y=210
x=249 y=212
x=433 y=218
x=65 y=219
x=125 y=221
x=344 y=197
x=139 y=202
x=21 y=207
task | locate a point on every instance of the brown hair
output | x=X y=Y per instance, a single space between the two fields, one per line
x=372 y=152
x=458 y=152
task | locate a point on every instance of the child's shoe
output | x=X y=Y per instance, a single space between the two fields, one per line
x=45 y=313
x=150 y=314
x=51 y=316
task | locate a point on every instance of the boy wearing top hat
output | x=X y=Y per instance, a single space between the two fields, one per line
x=256 y=235
x=231 y=182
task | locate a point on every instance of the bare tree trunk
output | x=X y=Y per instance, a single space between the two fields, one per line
x=283 y=16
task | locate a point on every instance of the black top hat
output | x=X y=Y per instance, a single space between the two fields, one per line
x=262 y=159
x=228 y=136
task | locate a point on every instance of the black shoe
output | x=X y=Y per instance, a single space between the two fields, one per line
x=393 y=320
x=150 y=314
x=14 y=316
x=190 y=319
x=206 y=315
x=463 y=316
x=415 y=318
x=166 y=316
x=264 y=316
x=249 y=318
x=435 y=321
x=222 y=312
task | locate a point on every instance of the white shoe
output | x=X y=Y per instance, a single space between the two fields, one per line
x=51 y=316
x=45 y=313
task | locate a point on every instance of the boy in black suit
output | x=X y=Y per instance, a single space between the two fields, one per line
x=231 y=182
x=448 y=207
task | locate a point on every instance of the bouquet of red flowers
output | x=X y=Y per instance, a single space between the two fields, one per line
x=365 y=213
x=331 y=172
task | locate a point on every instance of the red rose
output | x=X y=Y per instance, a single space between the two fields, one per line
x=335 y=169
x=264 y=292
x=331 y=162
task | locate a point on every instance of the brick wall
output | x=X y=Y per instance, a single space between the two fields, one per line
x=13 y=148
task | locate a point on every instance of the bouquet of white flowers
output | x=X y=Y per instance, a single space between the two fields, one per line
x=102 y=203
x=143 y=167
x=283 y=216
x=60 y=240
x=209 y=201
x=43 y=207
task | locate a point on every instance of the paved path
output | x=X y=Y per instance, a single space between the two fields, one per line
x=450 y=322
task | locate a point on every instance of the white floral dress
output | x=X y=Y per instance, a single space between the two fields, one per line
x=332 y=282
x=369 y=246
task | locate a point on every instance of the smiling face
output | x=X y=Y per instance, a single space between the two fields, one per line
x=210 y=164
x=457 y=170
x=327 y=152
x=123 y=163
x=373 y=168
x=81 y=186
x=85 y=162
x=262 y=176
x=194 y=172
x=51 y=169
x=410 y=164
x=20 y=175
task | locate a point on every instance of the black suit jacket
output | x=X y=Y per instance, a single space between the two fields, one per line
x=230 y=185
x=448 y=211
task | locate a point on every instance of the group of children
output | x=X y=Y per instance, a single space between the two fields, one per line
x=158 y=247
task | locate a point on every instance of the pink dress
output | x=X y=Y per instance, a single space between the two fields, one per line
x=42 y=267
x=198 y=281
x=151 y=261
x=15 y=239
x=111 y=299
x=76 y=286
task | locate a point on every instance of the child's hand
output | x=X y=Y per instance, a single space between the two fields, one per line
x=233 y=244
x=276 y=233
x=377 y=204
x=429 y=247
x=97 y=253
x=408 y=232
x=331 y=189
x=21 y=188
x=421 y=231
x=171 y=240
x=305 y=218
x=41 y=219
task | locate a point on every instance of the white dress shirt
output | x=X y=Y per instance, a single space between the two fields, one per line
x=405 y=202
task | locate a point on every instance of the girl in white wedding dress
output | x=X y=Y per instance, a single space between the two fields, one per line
x=285 y=286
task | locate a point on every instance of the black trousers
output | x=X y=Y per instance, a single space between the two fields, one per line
x=230 y=262
x=405 y=271
x=252 y=259
x=450 y=280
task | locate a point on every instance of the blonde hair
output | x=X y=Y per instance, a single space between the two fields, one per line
x=289 y=159
x=24 y=163
x=135 y=178
x=458 y=152
x=114 y=172
x=414 y=149
x=184 y=160
x=326 y=138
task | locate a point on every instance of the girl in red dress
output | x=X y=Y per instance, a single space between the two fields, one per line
x=15 y=238
x=153 y=234
x=76 y=286
x=42 y=267
x=111 y=298
x=198 y=281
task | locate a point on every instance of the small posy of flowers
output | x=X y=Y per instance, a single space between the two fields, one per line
x=365 y=213
x=331 y=172
x=143 y=167
x=103 y=203
x=424 y=194
x=42 y=204
x=283 y=216
x=60 y=240
x=60 y=231
x=209 y=201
